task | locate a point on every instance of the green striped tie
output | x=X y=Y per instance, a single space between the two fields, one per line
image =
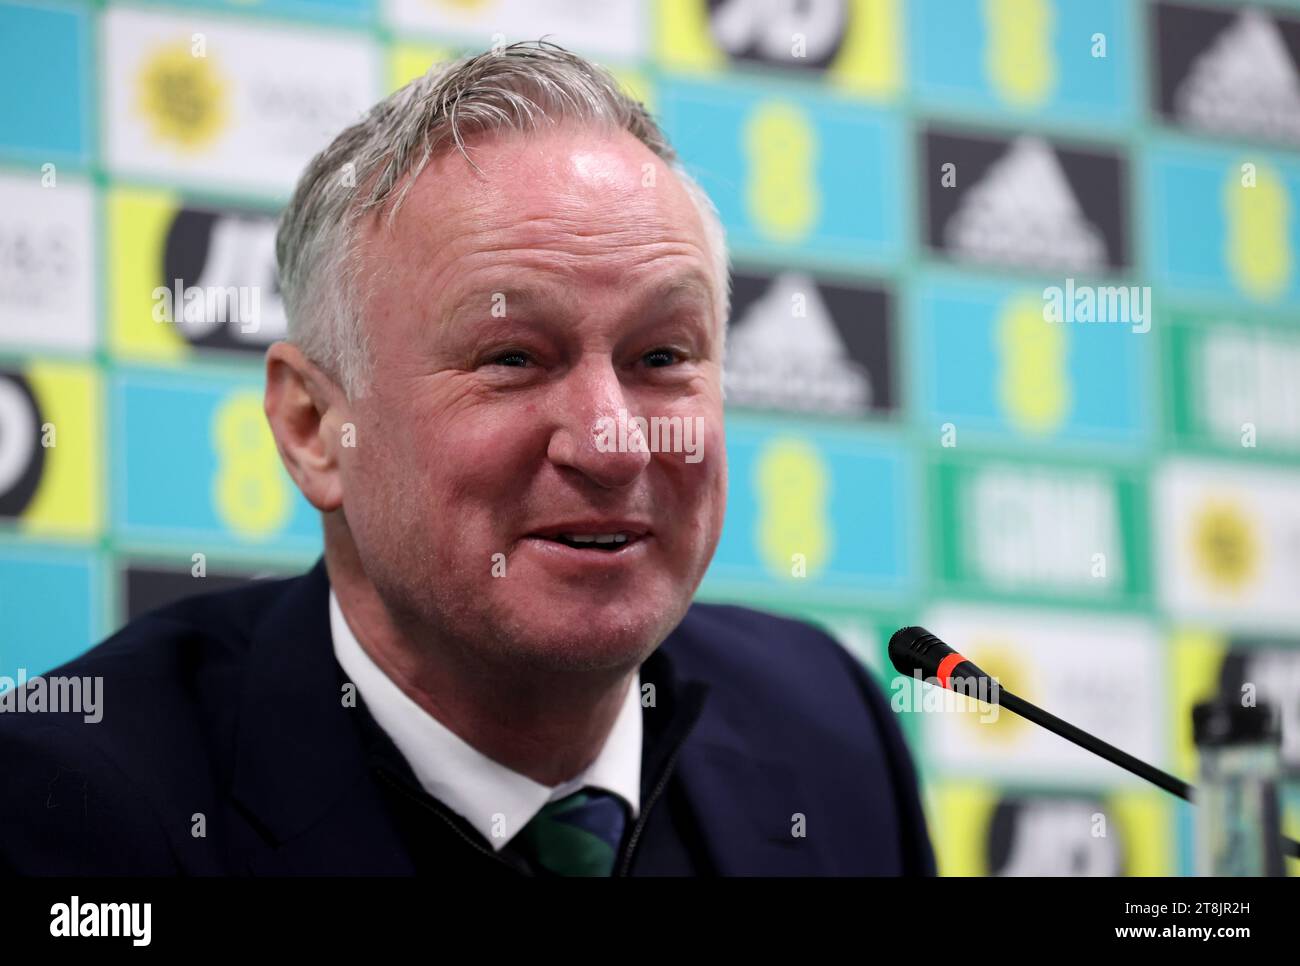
x=577 y=835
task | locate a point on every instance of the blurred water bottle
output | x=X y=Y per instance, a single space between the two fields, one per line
x=1238 y=824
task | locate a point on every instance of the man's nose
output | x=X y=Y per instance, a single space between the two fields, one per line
x=595 y=431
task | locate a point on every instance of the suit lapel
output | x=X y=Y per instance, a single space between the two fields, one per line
x=744 y=802
x=743 y=796
x=300 y=765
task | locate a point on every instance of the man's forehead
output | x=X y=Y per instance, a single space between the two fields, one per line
x=529 y=191
x=544 y=214
x=539 y=290
x=567 y=158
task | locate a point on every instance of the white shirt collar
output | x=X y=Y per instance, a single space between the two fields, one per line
x=496 y=800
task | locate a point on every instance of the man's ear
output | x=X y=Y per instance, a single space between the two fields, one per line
x=306 y=410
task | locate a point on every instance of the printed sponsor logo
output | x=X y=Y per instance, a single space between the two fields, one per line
x=1025 y=202
x=804 y=344
x=1228 y=72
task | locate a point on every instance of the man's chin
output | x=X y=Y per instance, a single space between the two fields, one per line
x=586 y=638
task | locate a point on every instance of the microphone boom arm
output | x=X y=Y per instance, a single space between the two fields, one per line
x=913 y=649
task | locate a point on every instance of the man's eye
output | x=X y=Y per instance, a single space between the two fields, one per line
x=658 y=358
x=512 y=359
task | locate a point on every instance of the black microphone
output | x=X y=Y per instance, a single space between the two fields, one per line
x=914 y=649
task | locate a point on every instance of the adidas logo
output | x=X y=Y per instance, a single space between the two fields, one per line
x=785 y=352
x=1244 y=84
x=1023 y=212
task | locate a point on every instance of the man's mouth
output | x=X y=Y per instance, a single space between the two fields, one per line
x=598 y=538
x=595 y=541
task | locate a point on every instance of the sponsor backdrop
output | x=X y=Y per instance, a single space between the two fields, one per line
x=1015 y=351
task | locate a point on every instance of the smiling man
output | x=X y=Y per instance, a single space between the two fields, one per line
x=497 y=668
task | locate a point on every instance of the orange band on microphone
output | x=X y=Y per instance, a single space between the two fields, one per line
x=946 y=666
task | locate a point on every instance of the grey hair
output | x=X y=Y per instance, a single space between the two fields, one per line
x=511 y=88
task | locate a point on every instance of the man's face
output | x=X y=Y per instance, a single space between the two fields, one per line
x=517 y=318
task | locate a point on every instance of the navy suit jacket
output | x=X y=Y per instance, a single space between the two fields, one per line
x=225 y=748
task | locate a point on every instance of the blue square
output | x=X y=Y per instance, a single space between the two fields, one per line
x=44 y=57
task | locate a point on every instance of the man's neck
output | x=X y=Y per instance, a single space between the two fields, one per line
x=548 y=726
